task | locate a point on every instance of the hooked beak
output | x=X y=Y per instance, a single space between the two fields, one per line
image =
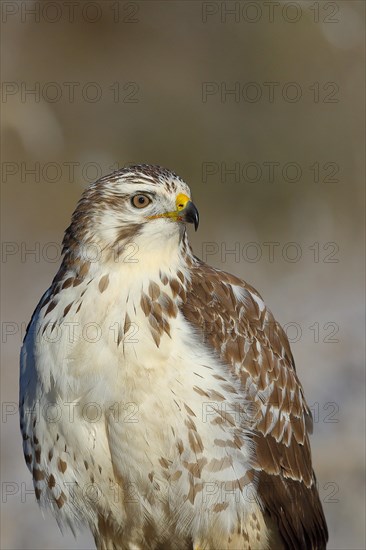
x=186 y=211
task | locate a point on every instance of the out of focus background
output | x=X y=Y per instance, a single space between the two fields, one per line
x=259 y=106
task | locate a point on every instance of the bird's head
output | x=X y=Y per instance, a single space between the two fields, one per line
x=147 y=206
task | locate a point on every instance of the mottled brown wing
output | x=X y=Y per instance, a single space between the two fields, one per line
x=230 y=316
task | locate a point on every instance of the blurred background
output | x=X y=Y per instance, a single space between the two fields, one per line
x=259 y=106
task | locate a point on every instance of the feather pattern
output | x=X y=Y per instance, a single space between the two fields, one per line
x=255 y=346
x=159 y=401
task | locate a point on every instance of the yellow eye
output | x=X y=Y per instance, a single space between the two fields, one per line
x=140 y=201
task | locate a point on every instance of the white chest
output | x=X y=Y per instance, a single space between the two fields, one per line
x=156 y=414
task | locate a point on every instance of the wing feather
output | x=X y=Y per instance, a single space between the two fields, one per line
x=231 y=317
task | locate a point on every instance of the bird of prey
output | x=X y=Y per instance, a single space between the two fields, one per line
x=159 y=401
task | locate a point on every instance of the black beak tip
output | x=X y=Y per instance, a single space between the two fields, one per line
x=196 y=221
x=191 y=215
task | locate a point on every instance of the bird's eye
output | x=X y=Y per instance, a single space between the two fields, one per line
x=140 y=201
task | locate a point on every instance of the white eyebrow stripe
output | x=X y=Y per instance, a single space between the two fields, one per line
x=142 y=180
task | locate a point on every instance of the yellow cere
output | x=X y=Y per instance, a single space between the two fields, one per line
x=181 y=201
